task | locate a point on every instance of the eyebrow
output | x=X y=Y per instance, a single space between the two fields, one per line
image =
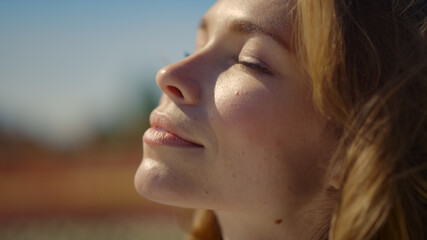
x=247 y=27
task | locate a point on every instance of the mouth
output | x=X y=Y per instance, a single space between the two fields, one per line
x=164 y=133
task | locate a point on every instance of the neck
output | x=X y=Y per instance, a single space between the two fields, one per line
x=235 y=226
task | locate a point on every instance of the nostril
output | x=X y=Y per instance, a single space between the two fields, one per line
x=175 y=91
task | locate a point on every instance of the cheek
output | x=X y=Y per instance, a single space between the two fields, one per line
x=268 y=131
x=240 y=109
x=251 y=113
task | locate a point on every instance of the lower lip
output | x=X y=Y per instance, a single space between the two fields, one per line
x=155 y=136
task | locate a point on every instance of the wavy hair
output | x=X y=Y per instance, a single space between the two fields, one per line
x=366 y=62
x=369 y=75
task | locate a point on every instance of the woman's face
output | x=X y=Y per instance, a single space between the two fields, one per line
x=236 y=128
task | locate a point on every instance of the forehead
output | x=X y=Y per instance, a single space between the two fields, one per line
x=273 y=13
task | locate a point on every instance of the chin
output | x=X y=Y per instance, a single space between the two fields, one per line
x=157 y=182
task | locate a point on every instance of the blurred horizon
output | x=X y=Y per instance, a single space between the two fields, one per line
x=69 y=69
x=77 y=84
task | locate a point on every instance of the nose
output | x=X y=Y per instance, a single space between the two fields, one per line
x=180 y=81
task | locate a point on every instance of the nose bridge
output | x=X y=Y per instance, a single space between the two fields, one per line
x=182 y=81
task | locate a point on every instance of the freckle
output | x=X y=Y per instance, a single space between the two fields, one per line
x=234 y=175
x=278 y=221
x=206 y=192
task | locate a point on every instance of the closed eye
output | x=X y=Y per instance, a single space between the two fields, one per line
x=252 y=65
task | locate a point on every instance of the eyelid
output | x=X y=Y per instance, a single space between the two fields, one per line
x=253 y=63
x=252 y=60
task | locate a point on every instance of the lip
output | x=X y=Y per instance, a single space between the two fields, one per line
x=164 y=132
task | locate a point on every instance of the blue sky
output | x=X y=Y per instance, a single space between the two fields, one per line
x=66 y=66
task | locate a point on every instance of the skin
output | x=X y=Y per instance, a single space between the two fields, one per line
x=262 y=167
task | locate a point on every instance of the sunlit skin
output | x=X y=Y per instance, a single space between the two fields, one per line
x=255 y=147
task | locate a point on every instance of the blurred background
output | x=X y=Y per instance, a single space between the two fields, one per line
x=77 y=83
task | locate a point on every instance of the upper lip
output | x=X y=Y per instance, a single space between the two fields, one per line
x=163 y=121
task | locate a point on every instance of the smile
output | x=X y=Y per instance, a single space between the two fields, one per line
x=159 y=136
x=161 y=133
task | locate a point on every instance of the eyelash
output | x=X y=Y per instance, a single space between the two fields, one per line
x=252 y=66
